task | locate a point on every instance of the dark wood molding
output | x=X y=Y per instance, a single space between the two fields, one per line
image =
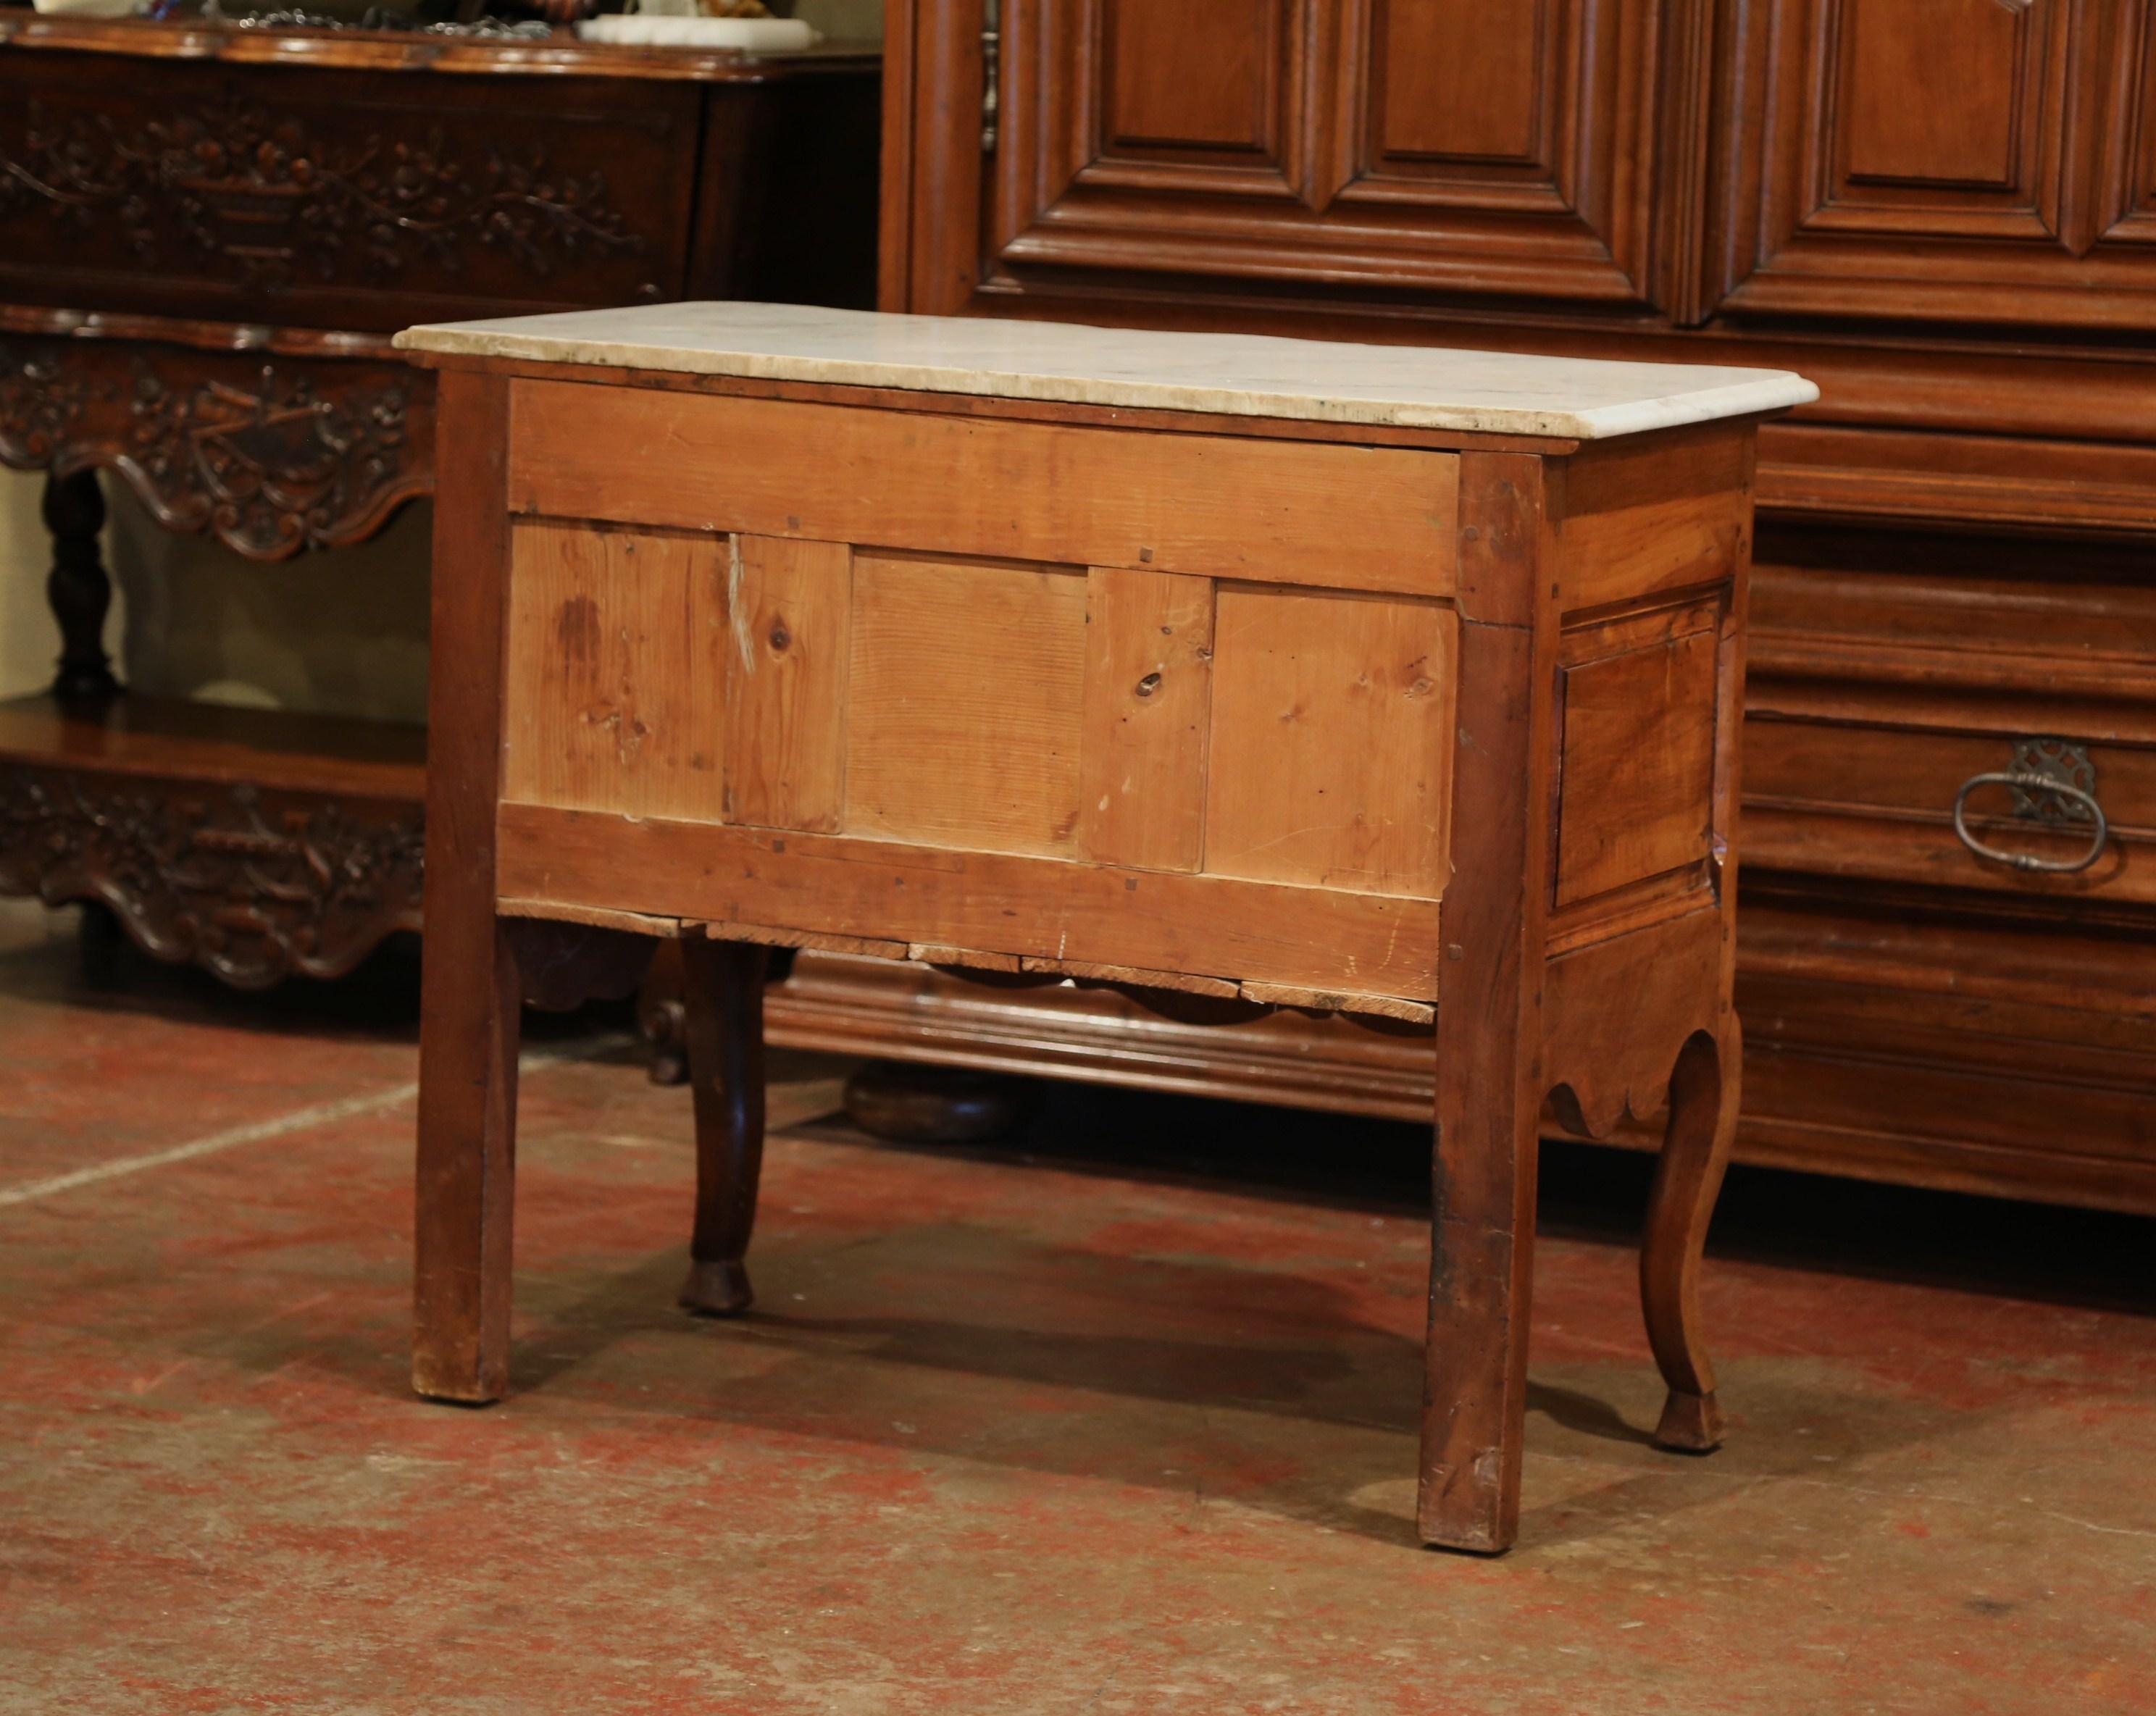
x=255 y=884
x=214 y=180
x=270 y=455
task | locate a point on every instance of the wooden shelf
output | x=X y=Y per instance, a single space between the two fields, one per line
x=173 y=738
x=256 y=843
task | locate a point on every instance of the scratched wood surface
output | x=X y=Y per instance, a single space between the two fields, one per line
x=1661 y=512
x=1332 y=724
x=1149 y=712
x=1052 y=910
x=967 y=683
x=789 y=622
x=615 y=684
x=1637 y=767
x=1217 y=506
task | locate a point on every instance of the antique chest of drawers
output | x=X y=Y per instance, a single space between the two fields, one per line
x=1276 y=673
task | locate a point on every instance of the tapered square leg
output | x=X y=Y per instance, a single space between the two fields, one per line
x=469 y=991
x=467 y=1160
x=1474 y=1389
x=722 y=996
x=1489 y=1021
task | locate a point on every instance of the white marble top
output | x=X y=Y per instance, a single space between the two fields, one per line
x=1412 y=386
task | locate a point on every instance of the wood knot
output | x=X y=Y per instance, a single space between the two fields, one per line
x=1148 y=685
x=780 y=637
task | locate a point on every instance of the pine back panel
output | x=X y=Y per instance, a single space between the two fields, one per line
x=844 y=658
x=1148 y=719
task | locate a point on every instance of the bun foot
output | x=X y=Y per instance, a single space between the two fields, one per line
x=717 y=1289
x=1692 y=1423
x=914 y=1104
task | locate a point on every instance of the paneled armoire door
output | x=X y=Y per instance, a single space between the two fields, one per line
x=1943 y=161
x=1455 y=147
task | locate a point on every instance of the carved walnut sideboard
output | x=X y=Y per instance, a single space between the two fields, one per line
x=1942 y=211
x=208 y=236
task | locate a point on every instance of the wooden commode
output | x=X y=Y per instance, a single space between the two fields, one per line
x=1240 y=672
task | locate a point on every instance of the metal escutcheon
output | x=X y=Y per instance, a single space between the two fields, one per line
x=2029 y=782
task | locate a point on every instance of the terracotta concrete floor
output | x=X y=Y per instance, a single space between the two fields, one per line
x=1119 y=1420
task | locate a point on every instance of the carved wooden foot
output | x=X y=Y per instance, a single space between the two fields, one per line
x=1694 y=1155
x=911 y=1104
x=662 y=1021
x=722 y=998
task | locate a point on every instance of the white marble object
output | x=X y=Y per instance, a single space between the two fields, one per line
x=678 y=24
x=1241 y=375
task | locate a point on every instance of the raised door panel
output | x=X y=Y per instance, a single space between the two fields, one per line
x=1479 y=146
x=2126 y=199
x=1521 y=133
x=1636 y=762
x=1941 y=160
x=1454 y=86
x=1105 y=99
x=1989 y=139
x=1158 y=101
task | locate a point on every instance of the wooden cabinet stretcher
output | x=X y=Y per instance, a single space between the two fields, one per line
x=1276 y=673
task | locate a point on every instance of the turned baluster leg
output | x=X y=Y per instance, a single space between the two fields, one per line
x=78 y=591
x=1694 y=1155
x=722 y=998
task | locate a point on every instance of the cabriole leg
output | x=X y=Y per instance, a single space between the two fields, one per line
x=722 y=997
x=1694 y=1155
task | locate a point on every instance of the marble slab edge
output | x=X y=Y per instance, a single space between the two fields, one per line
x=1770 y=392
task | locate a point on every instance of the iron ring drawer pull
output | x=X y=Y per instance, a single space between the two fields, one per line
x=2030 y=782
